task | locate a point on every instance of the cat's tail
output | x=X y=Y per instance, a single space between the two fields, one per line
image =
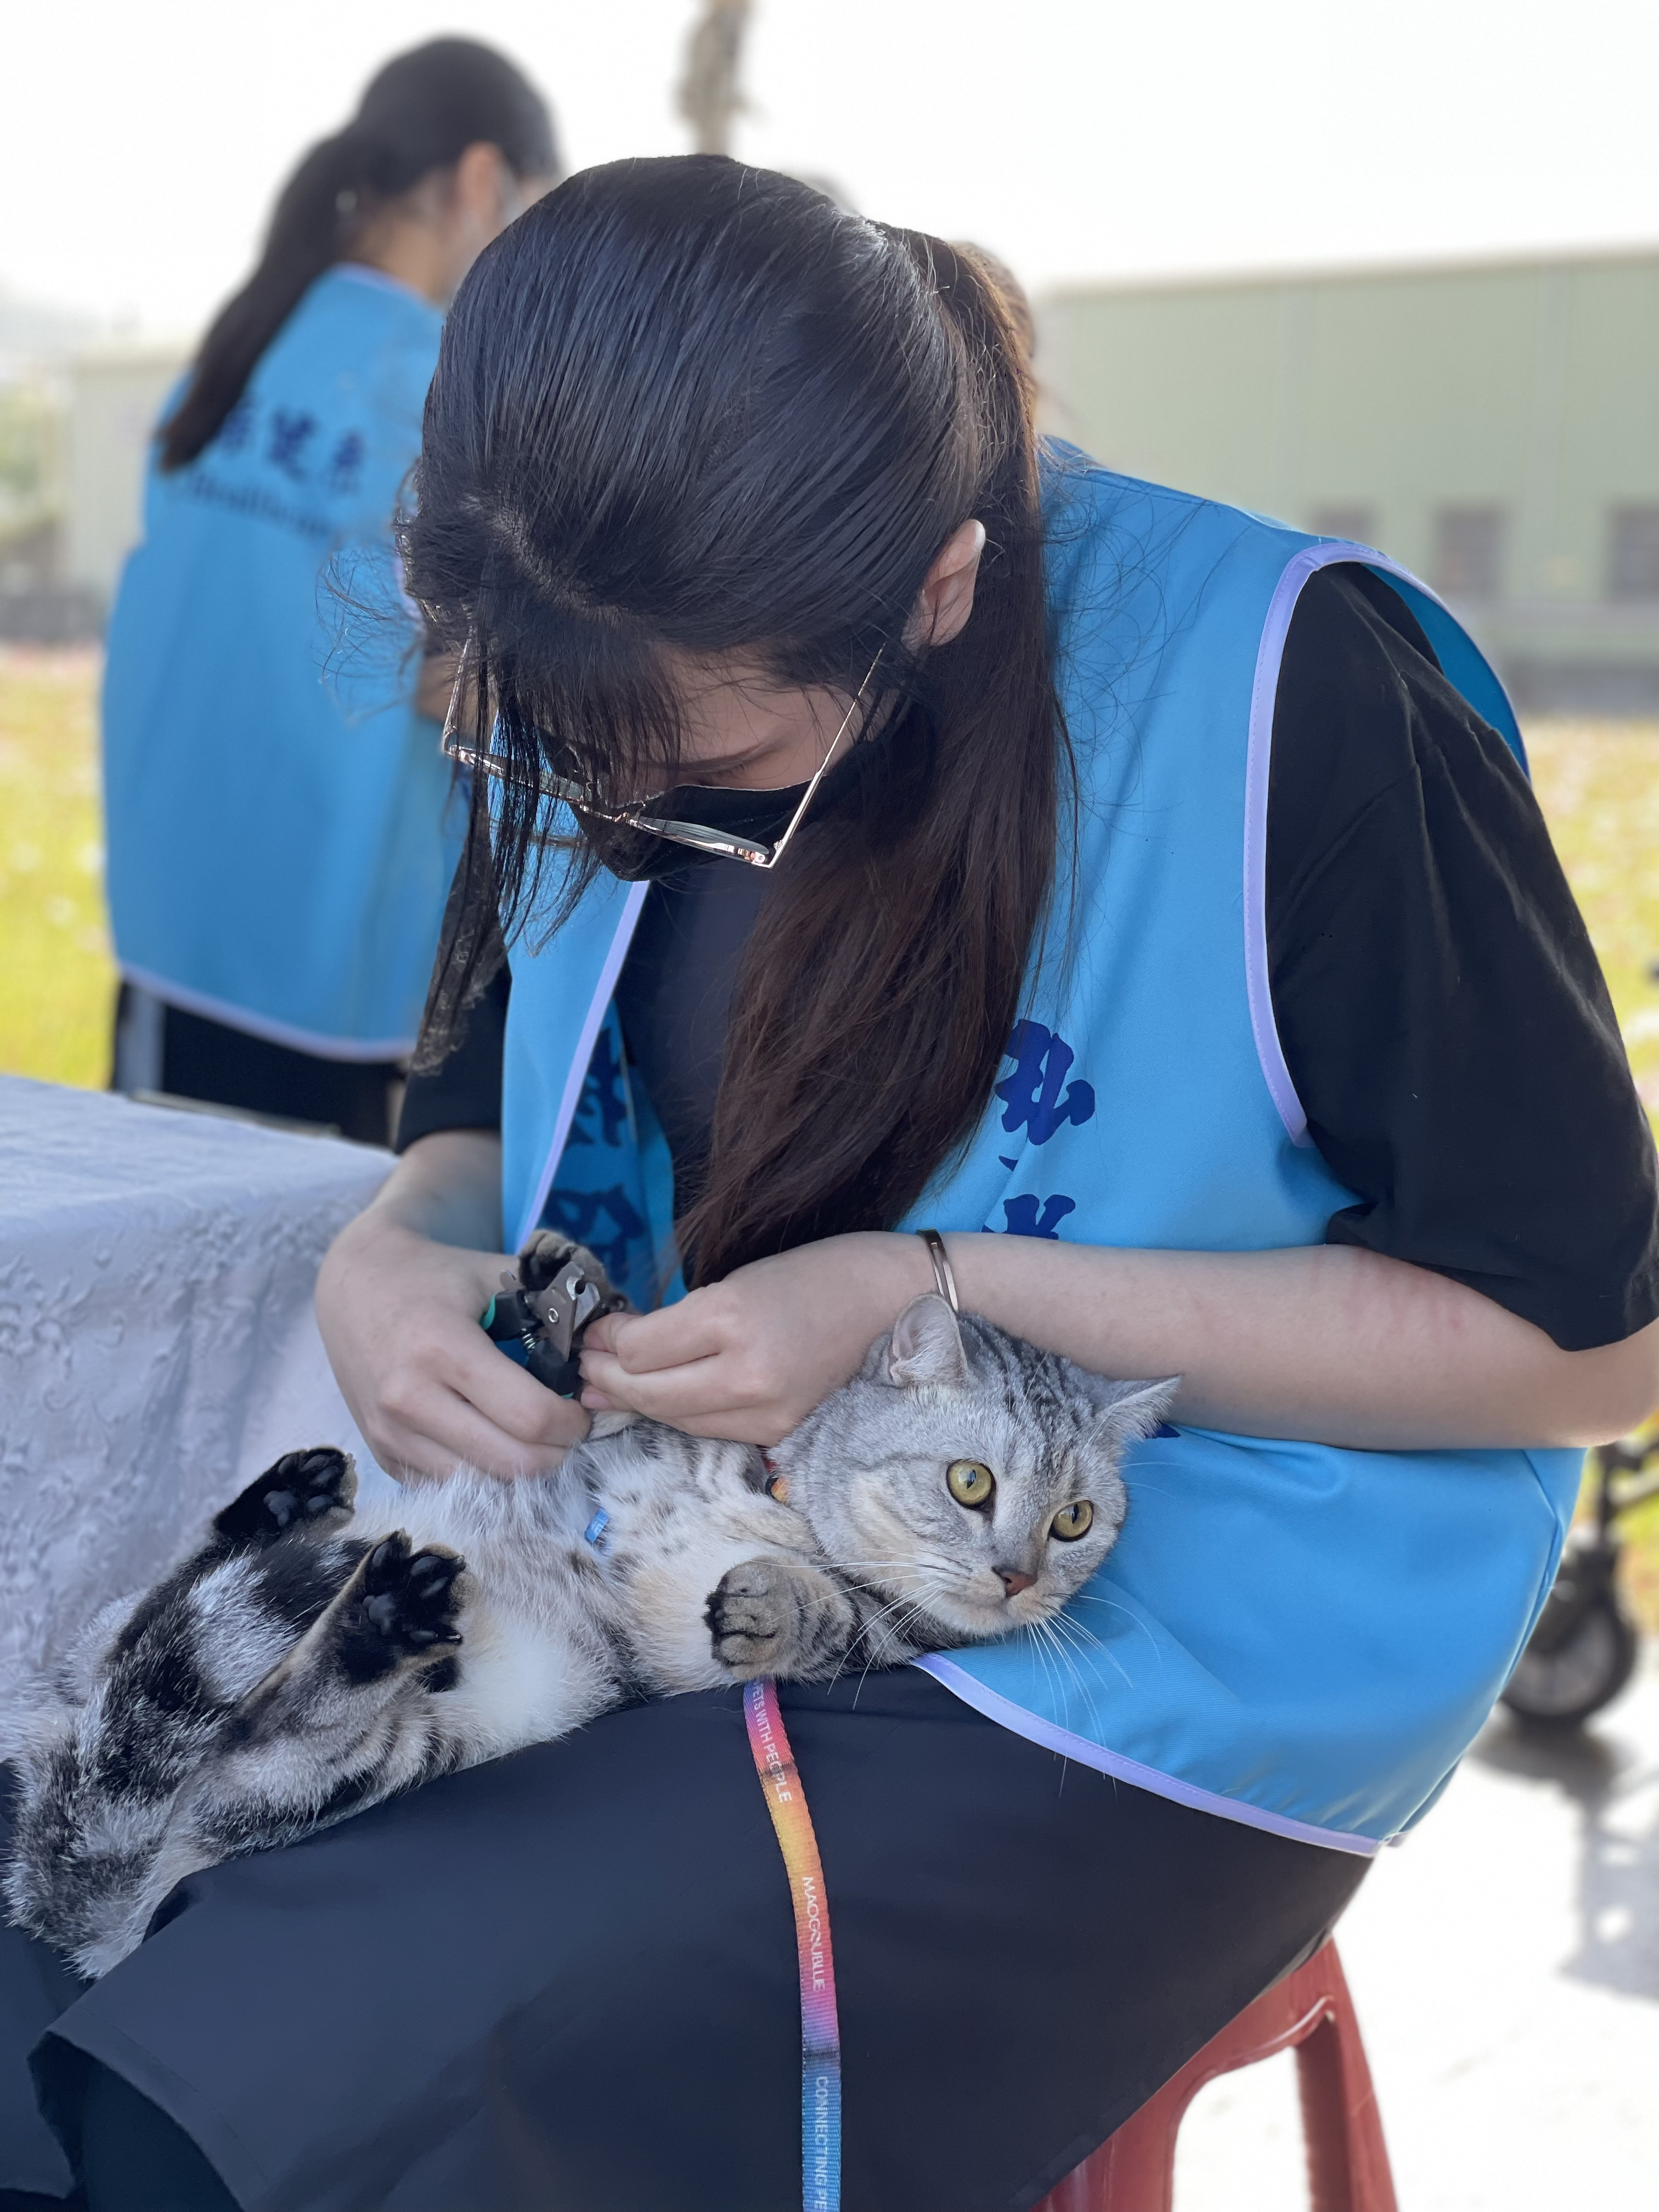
x=33 y=1711
x=86 y=1859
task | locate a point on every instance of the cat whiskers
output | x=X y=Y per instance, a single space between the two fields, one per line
x=1082 y=1597
x=889 y=1569
x=1047 y=1633
x=1082 y=1637
x=933 y=1577
x=916 y=1606
x=1040 y=1644
x=874 y=1590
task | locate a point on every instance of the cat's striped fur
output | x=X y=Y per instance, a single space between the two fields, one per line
x=307 y=1661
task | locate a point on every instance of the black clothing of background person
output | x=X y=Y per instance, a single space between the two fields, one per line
x=199 y=1058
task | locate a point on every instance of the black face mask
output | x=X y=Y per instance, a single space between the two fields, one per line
x=637 y=857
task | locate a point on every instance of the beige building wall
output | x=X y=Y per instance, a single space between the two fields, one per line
x=115 y=397
x=1494 y=427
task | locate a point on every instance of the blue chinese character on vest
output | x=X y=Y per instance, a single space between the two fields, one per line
x=238 y=426
x=1032 y=1095
x=602 y=1110
x=606 y=1221
x=600 y=1195
x=289 y=436
x=1026 y=1216
x=346 y=463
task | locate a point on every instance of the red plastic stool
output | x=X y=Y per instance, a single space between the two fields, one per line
x=1309 y=2012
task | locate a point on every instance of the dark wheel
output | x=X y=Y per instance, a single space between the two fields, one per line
x=1584 y=1671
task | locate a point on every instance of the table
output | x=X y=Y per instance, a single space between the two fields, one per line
x=157 y=1345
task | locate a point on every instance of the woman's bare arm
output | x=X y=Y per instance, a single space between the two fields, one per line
x=1327 y=1343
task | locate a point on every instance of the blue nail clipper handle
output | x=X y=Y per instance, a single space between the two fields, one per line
x=542 y=1329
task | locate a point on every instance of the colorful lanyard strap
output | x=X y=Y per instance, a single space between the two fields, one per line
x=820 y=2028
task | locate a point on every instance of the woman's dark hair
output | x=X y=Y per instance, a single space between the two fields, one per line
x=687 y=410
x=419 y=113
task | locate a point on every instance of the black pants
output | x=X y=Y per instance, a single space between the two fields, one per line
x=567 y=1981
x=195 y=1058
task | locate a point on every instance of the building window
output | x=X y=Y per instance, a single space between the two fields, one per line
x=1468 y=552
x=1356 y=523
x=1633 y=554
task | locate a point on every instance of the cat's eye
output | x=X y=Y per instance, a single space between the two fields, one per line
x=969 y=1483
x=1072 y=1522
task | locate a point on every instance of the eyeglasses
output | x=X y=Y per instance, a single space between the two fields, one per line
x=724 y=844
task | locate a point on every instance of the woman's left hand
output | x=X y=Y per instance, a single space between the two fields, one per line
x=750 y=1356
x=1322 y=1341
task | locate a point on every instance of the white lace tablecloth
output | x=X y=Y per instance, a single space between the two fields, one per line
x=157 y=1346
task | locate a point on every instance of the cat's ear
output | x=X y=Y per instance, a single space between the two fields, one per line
x=926 y=1347
x=1132 y=1410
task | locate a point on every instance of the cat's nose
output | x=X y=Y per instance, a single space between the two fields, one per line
x=1014 y=1580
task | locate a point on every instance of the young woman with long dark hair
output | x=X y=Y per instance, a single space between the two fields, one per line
x=1160 y=913
x=278 y=854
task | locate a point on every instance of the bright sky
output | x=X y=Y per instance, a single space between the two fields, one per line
x=140 y=140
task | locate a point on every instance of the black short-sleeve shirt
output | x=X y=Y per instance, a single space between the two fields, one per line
x=1440 y=1010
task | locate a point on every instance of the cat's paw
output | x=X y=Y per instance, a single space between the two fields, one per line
x=545 y=1256
x=407 y=1602
x=306 y=1490
x=776 y=1616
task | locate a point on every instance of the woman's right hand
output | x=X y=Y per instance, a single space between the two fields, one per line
x=399 y=1307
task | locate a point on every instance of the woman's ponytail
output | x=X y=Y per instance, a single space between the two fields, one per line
x=419 y=113
x=316 y=211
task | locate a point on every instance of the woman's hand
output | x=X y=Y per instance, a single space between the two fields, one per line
x=398 y=1300
x=1324 y=1342
x=750 y=1356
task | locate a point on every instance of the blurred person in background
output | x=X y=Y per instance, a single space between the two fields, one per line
x=278 y=850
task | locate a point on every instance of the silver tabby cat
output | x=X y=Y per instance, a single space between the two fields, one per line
x=306 y=1663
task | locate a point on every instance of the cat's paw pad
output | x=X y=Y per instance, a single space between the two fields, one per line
x=410 y=1600
x=303 y=1490
x=754 y=1617
x=546 y=1254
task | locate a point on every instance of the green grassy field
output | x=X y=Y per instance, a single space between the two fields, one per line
x=58 y=981
x=1598 y=783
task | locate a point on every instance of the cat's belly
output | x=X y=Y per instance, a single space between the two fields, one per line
x=594 y=1580
x=524 y=1681
x=534 y=1659
x=670 y=1535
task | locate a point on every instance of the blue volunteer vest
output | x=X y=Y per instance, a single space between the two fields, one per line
x=1297 y=1636
x=278 y=857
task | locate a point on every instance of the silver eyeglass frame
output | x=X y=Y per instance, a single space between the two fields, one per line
x=724 y=844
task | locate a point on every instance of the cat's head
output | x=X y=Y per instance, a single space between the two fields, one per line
x=966 y=1473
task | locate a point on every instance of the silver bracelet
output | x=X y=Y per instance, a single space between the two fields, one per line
x=943 y=1277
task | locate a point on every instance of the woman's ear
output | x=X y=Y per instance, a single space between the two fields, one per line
x=484 y=186
x=946 y=598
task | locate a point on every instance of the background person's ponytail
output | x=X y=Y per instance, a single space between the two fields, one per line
x=419 y=114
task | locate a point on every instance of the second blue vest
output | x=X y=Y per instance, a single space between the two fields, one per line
x=278 y=850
